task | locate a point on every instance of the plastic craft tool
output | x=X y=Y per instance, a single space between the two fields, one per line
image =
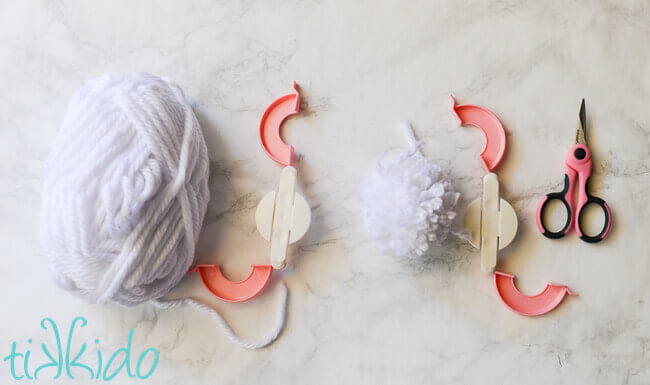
x=493 y=222
x=577 y=163
x=535 y=305
x=282 y=216
x=486 y=121
x=491 y=219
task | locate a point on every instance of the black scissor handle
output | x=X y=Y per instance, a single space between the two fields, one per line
x=560 y=196
x=608 y=217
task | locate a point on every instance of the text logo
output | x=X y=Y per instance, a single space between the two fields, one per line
x=62 y=361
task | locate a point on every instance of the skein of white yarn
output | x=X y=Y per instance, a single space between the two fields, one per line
x=125 y=191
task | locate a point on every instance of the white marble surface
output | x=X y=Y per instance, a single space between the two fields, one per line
x=356 y=316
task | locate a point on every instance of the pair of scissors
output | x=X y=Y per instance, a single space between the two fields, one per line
x=577 y=163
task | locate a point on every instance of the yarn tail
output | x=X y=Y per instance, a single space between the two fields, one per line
x=227 y=329
x=410 y=136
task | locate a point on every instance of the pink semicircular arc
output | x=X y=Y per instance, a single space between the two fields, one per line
x=539 y=304
x=486 y=121
x=230 y=291
x=276 y=113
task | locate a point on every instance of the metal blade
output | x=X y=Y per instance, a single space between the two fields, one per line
x=581 y=131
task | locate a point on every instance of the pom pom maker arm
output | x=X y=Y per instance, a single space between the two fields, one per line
x=486 y=121
x=493 y=221
x=535 y=305
x=282 y=216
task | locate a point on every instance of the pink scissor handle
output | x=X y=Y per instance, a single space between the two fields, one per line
x=577 y=163
x=579 y=160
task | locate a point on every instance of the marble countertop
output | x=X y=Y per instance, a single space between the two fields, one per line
x=356 y=316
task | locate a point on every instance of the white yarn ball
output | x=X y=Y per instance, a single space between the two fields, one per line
x=125 y=190
x=408 y=203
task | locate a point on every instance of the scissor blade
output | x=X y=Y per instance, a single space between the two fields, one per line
x=581 y=132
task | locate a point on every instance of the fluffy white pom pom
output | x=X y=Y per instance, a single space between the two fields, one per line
x=408 y=203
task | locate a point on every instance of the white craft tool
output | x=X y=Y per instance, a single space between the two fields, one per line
x=492 y=221
x=283 y=217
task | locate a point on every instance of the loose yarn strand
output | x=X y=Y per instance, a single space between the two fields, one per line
x=227 y=329
x=410 y=136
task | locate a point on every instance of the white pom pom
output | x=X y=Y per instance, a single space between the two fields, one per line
x=408 y=203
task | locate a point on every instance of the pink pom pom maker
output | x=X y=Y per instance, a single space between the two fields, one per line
x=282 y=216
x=492 y=220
